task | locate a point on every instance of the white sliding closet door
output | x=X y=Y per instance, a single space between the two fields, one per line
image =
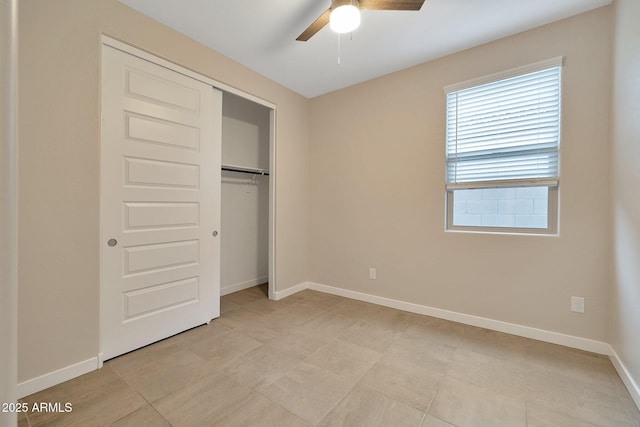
x=160 y=202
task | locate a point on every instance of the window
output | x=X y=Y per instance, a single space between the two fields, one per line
x=502 y=151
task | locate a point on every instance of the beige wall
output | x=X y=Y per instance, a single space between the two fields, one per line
x=625 y=337
x=377 y=190
x=59 y=168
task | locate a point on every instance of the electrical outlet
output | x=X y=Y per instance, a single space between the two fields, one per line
x=372 y=273
x=577 y=304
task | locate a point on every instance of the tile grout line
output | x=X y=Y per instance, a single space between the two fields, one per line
x=305 y=360
x=151 y=403
x=424 y=416
x=435 y=395
x=279 y=405
x=139 y=394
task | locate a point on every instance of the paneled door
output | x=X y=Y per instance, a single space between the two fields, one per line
x=160 y=202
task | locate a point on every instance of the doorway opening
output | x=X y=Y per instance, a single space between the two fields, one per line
x=246 y=195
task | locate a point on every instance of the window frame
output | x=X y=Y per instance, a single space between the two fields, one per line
x=552 y=216
x=553 y=205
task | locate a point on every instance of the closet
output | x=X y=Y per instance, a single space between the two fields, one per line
x=245 y=194
x=186 y=197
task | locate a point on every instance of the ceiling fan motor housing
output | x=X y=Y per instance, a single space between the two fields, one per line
x=345 y=16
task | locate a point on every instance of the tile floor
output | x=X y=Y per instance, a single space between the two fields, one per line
x=320 y=360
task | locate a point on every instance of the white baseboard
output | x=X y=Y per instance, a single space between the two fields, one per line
x=625 y=375
x=482 y=322
x=496 y=325
x=292 y=290
x=50 y=379
x=243 y=285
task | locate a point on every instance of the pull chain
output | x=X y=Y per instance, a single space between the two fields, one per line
x=339 y=45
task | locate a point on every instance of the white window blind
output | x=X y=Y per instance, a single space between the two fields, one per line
x=504 y=131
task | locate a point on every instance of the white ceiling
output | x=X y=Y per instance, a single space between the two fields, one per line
x=260 y=34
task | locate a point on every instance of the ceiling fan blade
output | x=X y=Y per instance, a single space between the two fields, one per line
x=391 y=4
x=315 y=26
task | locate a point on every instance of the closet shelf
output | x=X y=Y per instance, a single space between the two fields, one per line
x=242 y=169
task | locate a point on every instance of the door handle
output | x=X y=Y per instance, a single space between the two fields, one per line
x=112 y=242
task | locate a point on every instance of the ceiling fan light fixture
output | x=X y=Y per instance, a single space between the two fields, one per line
x=345 y=18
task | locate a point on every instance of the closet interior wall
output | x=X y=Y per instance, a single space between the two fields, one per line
x=245 y=197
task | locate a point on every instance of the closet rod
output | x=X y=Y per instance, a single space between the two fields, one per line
x=245 y=170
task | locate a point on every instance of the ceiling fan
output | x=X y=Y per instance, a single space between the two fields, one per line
x=344 y=15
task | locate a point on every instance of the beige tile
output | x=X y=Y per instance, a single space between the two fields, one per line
x=204 y=402
x=75 y=388
x=265 y=306
x=223 y=349
x=251 y=324
x=238 y=318
x=551 y=389
x=262 y=290
x=244 y=297
x=71 y=391
x=619 y=388
x=356 y=310
x=98 y=407
x=368 y=335
x=410 y=350
x=436 y=330
x=500 y=375
x=541 y=416
x=366 y=407
x=226 y=305
x=135 y=360
x=579 y=365
x=412 y=384
x=347 y=360
x=195 y=335
x=464 y=404
x=575 y=398
x=431 y=421
x=165 y=375
x=292 y=315
x=631 y=409
x=391 y=319
x=328 y=324
x=308 y=392
x=259 y=343
x=260 y=411
x=298 y=343
x=600 y=406
x=496 y=344
x=261 y=366
x=146 y=416
x=318 y=299
x=410 y=371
